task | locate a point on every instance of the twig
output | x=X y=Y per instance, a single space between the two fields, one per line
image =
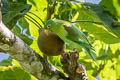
x=35 y=21
x=37 y=17
x=50 y=10
x=99 y=70
x=87 y=21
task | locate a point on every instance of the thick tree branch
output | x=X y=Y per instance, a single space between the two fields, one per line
x=34 y=63
x=28 y=58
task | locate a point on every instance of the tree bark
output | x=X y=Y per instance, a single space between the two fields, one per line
x=33 y=63
x=28 y=58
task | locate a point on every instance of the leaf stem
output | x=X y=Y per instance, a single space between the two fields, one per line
x=33 y=22
x=38 y=24
x=37 y=17
x=87 y=21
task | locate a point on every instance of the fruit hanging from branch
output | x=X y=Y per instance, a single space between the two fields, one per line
x=49 y=43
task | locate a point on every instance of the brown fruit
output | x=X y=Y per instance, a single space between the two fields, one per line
x=49 y=43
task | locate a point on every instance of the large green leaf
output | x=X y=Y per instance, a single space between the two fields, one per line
x=106 y=19
x=14 y=72
x=100 y=31
x=12 y=11
x=113 y=7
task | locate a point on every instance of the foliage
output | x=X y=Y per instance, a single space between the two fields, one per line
x=104 y=37
x=14 y=72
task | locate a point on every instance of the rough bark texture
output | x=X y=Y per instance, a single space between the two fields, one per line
x=75 y=70
x=34 y=63
x=28 y=58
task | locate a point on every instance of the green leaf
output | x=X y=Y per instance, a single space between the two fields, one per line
x=55 y=60
x=6 y=62
x=14 y=72
x=117 y=69
x=91 y=77
x=95 y=13
x=92 y=12
x=11 y=12
x=64 y=11
x=113 y=7
x=106 y=19
x=108 y=73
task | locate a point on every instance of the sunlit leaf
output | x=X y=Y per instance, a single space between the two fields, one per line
x=113 y=7
x=14 y=72
x=106 y=18
x=101 y=32
x=108 y=73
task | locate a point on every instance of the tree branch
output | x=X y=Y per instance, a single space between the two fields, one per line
x=75 y=70
x=28 y=58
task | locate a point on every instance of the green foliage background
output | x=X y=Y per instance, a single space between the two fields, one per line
x=104 y=37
